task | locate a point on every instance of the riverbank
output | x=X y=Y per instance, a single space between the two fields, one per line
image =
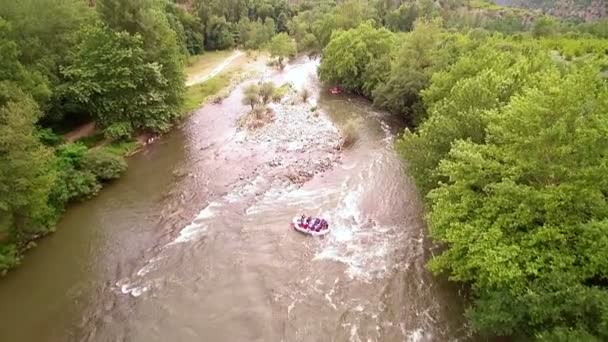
x=85 y=151
x=205 y=83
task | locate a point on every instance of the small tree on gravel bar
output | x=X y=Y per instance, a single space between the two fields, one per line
x=251 y=95
x=266 y=91
x=305 y=94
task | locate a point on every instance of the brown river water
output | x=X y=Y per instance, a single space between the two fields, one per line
x=194 y=244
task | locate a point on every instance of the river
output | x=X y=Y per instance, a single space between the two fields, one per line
x=193 y=244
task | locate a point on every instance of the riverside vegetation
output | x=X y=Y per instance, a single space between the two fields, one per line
x=117 y=63
x=507 y=142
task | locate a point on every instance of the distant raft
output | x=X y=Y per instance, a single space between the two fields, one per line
x=335 y=90
x=310 y=225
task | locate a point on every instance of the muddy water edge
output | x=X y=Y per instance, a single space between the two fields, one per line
x=193 y=243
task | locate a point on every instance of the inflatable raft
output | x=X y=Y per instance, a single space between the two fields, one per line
x=300 y=225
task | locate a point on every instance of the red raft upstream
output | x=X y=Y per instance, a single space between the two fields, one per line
x=310 y=225
x=335 y=90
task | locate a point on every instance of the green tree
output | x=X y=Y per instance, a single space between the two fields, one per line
x=324 y=28
x=266 y=91
x=44 y=44
x=147 y=18
x=270 y=28
x=525 y=214
x=111 y=78
x=352 y=13
x=427 y=9
x=403 y=18
x=300 y=28
x=419 y=56
x=251 y=95
x=12 y=70
x=281 y=47
x=25 y=176
x=358 y=59
x=218 y=34
x=189 y=29
x=480 y=80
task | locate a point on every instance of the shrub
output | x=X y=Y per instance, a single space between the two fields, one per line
x=73 y=185
x=81 y=185
x=49 y=138
x=74 y=181
x=282 y=46
x=104 y=165
x=305 y=94
x=280 y=92
x=251 y=95
x=257 y=118
x=9 y=258
x=266 y=91
x=71 y=154
x=119 y=131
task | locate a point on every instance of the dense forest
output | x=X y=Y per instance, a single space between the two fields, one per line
x=507 y=143
x=506 y=109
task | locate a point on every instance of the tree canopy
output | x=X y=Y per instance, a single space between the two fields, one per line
x=111 y=78
x=524 y=213
x=281 y=47
x=358 y=59
x=507 y=143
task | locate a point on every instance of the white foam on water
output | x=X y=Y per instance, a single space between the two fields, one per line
x=190 y=232
x=138 y=291
x=252 y=210
x=280 y=198
x=197 y=228
x=232 y=197
x=342 y=234
x=364 y=249
x=331 y=302
x=148 y=267
x=290 y=307
x=389 y=138
x=131 y=288
x=415 y=336
x=354 y=334
x=208 y=212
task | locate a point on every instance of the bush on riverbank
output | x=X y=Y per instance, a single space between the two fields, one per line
x=82 y=170
x=9 y=257
x=280 y=92
x=104 y=165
